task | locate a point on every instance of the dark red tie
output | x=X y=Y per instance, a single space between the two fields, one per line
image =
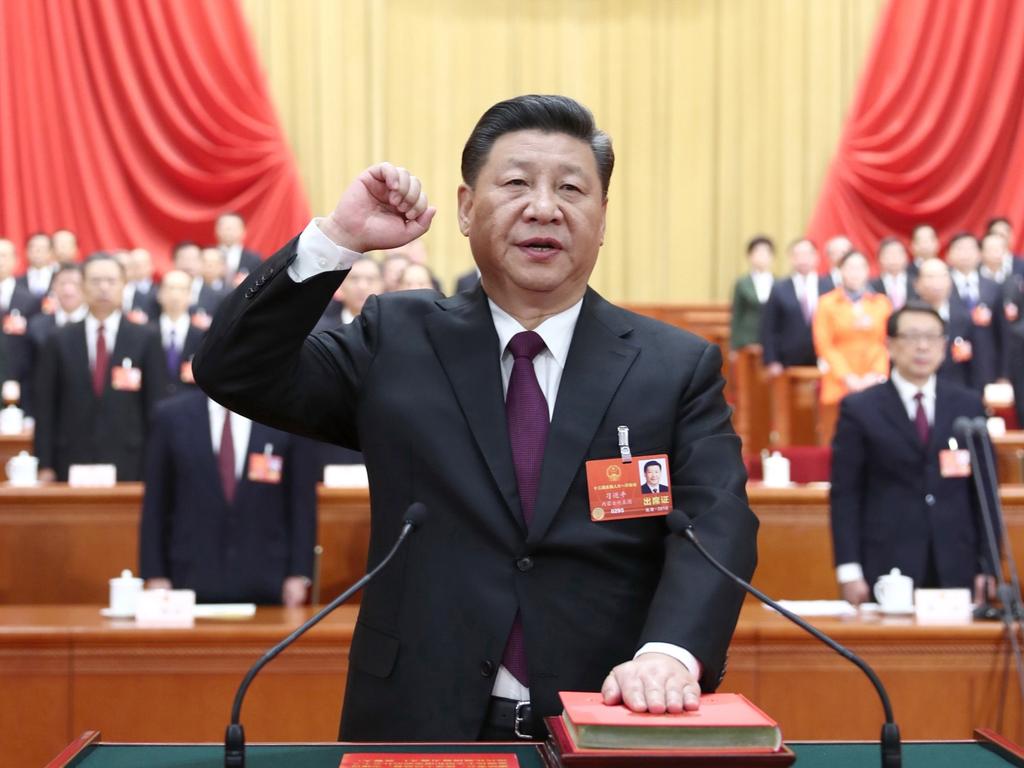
x=526 y=410
x=921 y=420
x=102 y=362
x=226 y=459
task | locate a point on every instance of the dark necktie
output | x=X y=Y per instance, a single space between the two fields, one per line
x=528 y=423
x=924 y=432
x=173 y=357
x=805 y=303
x=226 y=460
x=101 y=363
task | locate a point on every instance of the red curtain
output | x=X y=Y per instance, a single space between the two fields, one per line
x=136 y=123
x=935 y=132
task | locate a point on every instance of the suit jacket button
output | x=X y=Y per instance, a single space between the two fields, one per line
x=929 y=500
x=487 y=668
x=524 y=564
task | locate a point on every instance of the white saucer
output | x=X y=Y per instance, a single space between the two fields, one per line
x=902 y=610
x=110 y=613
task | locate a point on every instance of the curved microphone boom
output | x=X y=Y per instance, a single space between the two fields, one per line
x=234 y=738
x=679 y=523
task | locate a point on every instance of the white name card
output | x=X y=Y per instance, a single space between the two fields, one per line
x=942 y=606
x=165 y=608
x=346 y=476
x=92 y=476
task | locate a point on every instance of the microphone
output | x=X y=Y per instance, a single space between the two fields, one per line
x=679 y=523
x=234 y=737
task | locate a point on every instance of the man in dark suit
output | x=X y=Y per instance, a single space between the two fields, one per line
x=179 y=335
x=139 y=302
x=652 y=479
x=786 y=319
x=69 y=307
x=41 y=267
x=509 y=593
x=892 y=506
x=924 y=245
x=934 y=286
x=750 y=293
x=894 y=281
x=982 y=300
x=229 y=508
x=17 y=306
x=1015 y=336
x=239 y=261
x=97 y=383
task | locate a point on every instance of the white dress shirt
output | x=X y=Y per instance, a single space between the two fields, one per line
x=240 y=430
x=6 y=292
x=317 y=253
x=847 y=572
x=180 y=328
x=110 y=326
x=807 y=285
x=232 y=258
x=62 y=318
x=763 y=282
x=896 y=288
x=38 y=279
x=966 y=285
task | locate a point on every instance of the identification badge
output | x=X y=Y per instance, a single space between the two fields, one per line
x=186 y=372
x=961 y=351
x=954 y=463
x=981 y=316
x=15 y=324
x=125 y=378
x=265 y=467
x=48 y=305
x=621 y=490
x=1012 y=312
x=201 y=320
x=138 y=317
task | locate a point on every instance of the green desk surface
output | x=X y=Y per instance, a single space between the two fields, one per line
x=948 y=754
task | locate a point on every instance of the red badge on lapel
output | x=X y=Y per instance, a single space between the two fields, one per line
x=620 y=490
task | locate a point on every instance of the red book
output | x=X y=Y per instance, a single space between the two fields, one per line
x=724 y=720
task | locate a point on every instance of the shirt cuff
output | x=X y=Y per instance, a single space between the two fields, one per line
x=848 y=572
x=317 y=253
x=681 y=655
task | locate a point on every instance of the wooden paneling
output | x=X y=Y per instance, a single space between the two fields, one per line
x=60 y=545
x=177 y=685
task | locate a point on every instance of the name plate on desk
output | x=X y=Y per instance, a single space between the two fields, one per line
x=92 y=476
x=942 y=606
x=346 y=476
x=165 y=608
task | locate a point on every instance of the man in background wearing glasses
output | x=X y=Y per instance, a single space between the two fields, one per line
x=895 y=501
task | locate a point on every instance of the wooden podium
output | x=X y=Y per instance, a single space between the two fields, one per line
x=795 y=406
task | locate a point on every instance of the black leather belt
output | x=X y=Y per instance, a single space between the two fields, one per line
x=516 y=717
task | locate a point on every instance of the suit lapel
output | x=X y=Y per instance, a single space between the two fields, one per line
x=466 y=344
x=893 y=409
x=599 y=358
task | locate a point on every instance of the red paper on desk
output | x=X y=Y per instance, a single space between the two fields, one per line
x=429 y=760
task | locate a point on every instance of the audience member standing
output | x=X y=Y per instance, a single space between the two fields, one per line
x=239 y=261
x=17 y=305
x=924 y=245
x=787 y=315
x=139 y=303
x=892 y=504
x=849 y=333
x=934 y=285
x=97 y=383
x=41 y=267
x=894 y=281
x=983 y=300
x=229 y=508
x=750 y=293
x=835 y=249
x=65 y=247
x=179 y=336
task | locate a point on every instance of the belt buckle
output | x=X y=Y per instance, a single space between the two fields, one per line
x=519 y=720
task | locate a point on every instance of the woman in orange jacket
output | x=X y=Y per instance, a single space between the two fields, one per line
x=849 y=333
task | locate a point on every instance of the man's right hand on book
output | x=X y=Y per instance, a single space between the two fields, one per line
x=652 y=682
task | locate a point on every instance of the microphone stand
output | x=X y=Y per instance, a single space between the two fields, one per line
x=234 y=737
x=890 y=738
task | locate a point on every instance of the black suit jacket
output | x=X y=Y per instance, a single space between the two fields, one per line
x=415 y=383
x=174 y=383
x=878 y=286
x=248 y=262
x=989 y=361
x=645 y=488
x=40 y=327
x=190 y=534
x=889 y=503
x=73 y=426
x=786 y=336
x=209 y=300
x=18 y=346
x=958 y=326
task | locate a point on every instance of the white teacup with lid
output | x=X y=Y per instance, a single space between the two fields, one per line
x=23 y=469
x=895 y=592
x=124 y=593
